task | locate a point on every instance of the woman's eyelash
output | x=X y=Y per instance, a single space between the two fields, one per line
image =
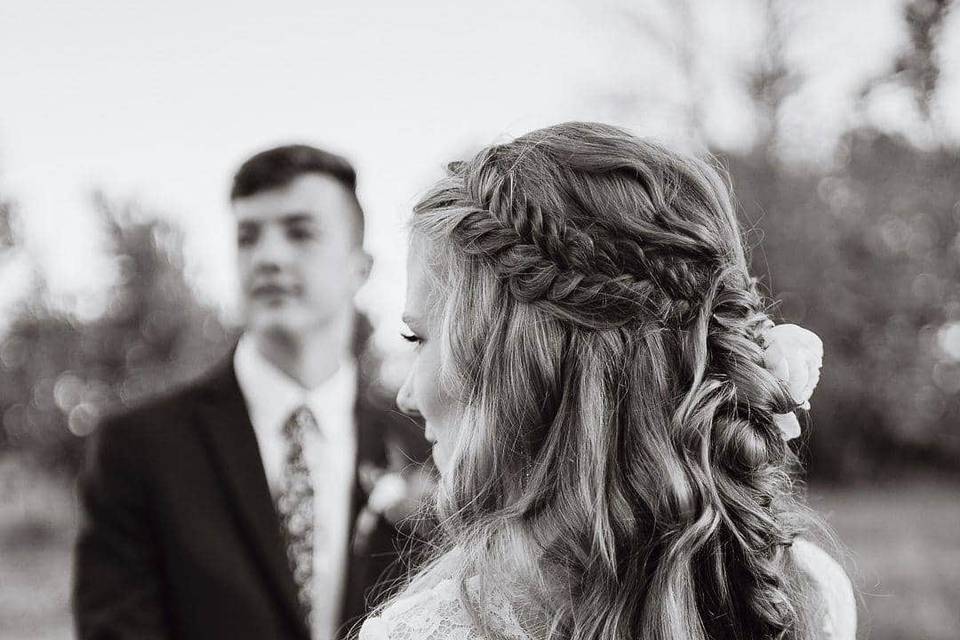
x=409 y=337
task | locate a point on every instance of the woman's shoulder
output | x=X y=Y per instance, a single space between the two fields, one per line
x=433 y=613
x=438 y=613
x=834 y=587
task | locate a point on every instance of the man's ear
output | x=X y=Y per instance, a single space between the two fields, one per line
x=362 y=263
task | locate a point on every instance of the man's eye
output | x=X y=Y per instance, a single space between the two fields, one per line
x=299 y=234
x=247 y=237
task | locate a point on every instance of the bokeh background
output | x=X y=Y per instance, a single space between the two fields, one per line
x=839 y=121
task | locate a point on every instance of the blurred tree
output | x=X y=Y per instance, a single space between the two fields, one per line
x=691 y=70
x=6 y=242
x=771 y=80
x=917 y=68
x=6 y=226
x=925 y=20
x=868 y=256
x=865 y=252
x=665 y=27
x=62 y=375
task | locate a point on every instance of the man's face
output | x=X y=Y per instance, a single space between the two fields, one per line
x=298 y=262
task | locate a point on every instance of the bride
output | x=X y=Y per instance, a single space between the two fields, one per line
x=609 y=406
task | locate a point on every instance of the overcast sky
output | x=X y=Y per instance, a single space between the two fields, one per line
x=161 y=101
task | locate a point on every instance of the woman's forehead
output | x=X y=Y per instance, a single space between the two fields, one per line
x=421 y=280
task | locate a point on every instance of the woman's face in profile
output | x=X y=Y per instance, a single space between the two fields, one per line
x=422 y=393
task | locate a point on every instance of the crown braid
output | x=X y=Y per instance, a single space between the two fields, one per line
x=596 y=275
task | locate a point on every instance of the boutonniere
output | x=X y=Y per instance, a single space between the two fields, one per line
x=388 y=496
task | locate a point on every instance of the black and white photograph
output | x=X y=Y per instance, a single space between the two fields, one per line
x=502 y=320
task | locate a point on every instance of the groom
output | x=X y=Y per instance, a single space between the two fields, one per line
x=227 y=509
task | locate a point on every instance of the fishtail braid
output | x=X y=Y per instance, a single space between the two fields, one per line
x=601 y=279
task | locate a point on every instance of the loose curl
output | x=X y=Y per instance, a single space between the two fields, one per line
x=619 y=471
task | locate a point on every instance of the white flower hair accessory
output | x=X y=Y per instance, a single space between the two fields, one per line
x=794 y=355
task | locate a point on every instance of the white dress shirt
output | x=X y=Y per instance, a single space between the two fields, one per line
x=272 y=397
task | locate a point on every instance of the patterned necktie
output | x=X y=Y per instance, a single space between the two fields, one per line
x=295 y=506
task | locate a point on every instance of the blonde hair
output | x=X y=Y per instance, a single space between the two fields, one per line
x=618 y=470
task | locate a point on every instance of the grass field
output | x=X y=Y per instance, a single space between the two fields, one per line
x=38 y=521
x=902 y=552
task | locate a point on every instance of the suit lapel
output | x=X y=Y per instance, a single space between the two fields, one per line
x=228 y=433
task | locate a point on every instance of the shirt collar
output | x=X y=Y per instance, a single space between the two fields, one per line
x=272 y=396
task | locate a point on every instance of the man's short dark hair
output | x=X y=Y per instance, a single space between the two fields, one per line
x=278 y=167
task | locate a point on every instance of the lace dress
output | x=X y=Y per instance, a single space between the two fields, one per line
x=436 y=613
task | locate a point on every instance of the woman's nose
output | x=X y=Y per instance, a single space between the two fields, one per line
x=405 y=400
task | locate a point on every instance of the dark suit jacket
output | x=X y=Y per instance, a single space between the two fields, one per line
x=180 y=536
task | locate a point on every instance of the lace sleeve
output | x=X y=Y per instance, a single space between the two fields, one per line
x=839 y=614
x=438 y=614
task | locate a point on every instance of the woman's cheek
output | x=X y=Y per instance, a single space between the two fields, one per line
x=429 y=378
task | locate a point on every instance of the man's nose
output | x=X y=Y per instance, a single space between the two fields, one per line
x=405 y=400
x=271 y=251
